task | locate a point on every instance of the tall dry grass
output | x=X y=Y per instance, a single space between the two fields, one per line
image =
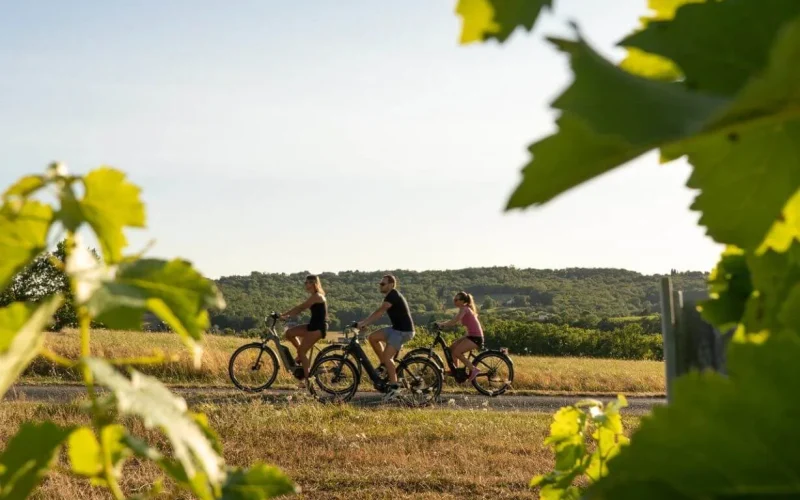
x=532 y=373
x=347 y=453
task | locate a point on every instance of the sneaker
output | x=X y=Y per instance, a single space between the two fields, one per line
x=392 y=394
x=474 y=373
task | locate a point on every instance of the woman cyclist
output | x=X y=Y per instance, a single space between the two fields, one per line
x=303 y=337
x=467 y=316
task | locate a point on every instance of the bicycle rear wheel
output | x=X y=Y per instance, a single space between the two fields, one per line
x=253 y=367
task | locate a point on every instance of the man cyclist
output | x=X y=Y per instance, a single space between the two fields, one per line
x=401 y=331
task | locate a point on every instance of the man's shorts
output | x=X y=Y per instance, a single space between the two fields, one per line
x=396 y=338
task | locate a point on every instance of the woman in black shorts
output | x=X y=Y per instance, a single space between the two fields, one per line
x=303 y=337
x=467 y=316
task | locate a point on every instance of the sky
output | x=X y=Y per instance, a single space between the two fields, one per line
x=277 y=136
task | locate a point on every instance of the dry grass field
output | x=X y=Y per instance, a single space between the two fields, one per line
x=533 y=374
x=346 y=453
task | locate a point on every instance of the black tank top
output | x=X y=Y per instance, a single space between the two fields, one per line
x=319 y=312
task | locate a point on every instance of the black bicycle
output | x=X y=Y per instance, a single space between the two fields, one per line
x=495 y=366
x=254 y=367
x=335 y=377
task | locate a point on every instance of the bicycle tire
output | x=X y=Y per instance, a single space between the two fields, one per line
x=272 y=360
x=434 y=369
x=342 y=395
x=480 y=359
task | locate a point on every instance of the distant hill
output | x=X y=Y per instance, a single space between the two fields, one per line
x=565 y=295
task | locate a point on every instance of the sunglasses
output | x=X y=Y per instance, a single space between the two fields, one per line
x=383 y=284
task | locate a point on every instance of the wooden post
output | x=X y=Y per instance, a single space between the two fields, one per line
x=689 y=342
x=668 y=333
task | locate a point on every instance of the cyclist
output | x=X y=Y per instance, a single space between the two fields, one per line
x=303 y=337
x=467 y=316
x=401 y=331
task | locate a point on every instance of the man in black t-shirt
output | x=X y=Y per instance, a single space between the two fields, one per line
x=401 y=331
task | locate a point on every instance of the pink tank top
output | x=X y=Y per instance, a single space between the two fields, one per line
x=470 y=321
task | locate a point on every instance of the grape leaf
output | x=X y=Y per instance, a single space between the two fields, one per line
x=774 y=276
x=609 y=118
x=87 y=456
x=719 y=436
x=651 y=65
x=23 y=236
x=729 y=287
x=785 y=230
x=84 y=453
x=149 y=399
x=257 y=482
x=715 y=44
x=497 y=19
x=25 y=187
x=21 y=338
x=643 y=114
x=739 y=203
x=27 y=457
x=172 y=290
x=109 y=205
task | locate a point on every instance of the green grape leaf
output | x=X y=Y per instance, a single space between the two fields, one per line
x=497 y=19
x=699 y=33
x=84 y=453
x=774 y=276
x=719 y=437
x=27 y=458
x=148 y=398
x=23 y=236
x=785 y=230
x=609 y=118
x=759 y=197
x=729 y=287
x=640 y=114
x=651 y=65
x=25 y=187
x=257 y=482
x=21 y=327
x=87 y=456
x=172 y=290
x=109 y=205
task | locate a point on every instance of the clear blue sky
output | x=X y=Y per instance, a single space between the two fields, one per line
x=283 y=136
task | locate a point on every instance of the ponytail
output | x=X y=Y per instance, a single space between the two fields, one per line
x=469 y=300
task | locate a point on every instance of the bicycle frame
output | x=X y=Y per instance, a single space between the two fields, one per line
x=448 y=354
x=271 y=335
x=353 y=347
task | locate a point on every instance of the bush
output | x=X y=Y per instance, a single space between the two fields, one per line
x=629 y=341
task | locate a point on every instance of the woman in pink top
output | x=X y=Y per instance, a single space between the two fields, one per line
x=467 y=316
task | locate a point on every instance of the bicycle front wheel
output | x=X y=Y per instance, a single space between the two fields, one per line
x=253 y=367
x=334 y=378
x=496 y=373
x=422 y=380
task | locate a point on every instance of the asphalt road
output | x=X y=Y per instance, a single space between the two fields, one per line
x=195 y=395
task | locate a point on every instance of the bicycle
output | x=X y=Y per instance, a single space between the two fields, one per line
x=494 y=364
x=257 y=355
x=336 y=376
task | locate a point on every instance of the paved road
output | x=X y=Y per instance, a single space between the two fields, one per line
x=194 y=395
